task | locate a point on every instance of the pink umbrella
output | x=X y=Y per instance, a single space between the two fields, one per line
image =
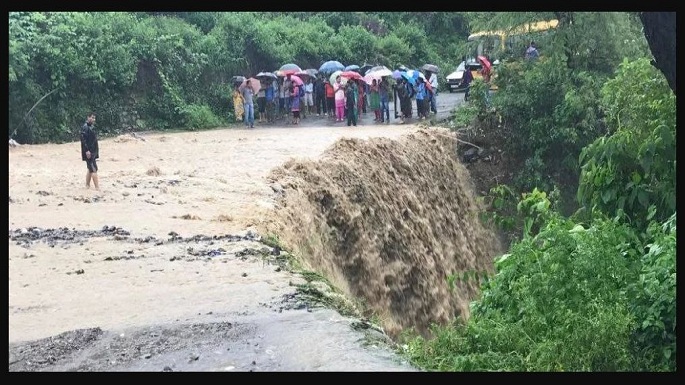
x=304 y=75
x=371 y=77
x=296 y=80
x=255 y=84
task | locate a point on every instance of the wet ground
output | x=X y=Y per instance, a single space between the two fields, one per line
x=446 y=102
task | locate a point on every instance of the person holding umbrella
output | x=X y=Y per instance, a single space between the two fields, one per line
x=422 y=96
x=486 y=71
x=261 y=101
x=330 y=98
x=431 y=71
x=247 y=91
x=405 y=92
x=384 y=93
x=282 y=91
x=351 y=103
x=433 y=80
x=375 y=100
x=269 y=95
x=319 y=96
x=238 y=103
x=286 y=84
x=339 y=99
x=295 y=102
x=308 y=96
x=361 y=107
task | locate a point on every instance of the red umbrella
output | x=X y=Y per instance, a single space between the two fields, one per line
x=485 y=62
x=352 y=75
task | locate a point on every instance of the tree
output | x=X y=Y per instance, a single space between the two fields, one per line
x=660 y=31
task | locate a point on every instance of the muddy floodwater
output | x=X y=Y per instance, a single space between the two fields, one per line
x=171 y=266
x=163 y=268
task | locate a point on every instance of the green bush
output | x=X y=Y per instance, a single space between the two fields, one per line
x=654 y=303
x=199 y=116
x=572 y=297
x=464 y=116
x=633 y=167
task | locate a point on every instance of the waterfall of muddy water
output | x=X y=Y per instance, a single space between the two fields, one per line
x=388 y=221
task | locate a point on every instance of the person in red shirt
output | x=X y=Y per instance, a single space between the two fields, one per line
x=330 y=98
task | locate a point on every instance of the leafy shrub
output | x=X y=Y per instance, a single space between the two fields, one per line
x=549 y=114
x=634 y=167
x=654 y=303
x=557 y=303
x=464 y=116
x=199 y=117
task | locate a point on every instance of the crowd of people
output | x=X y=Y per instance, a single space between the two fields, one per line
x=341 y=100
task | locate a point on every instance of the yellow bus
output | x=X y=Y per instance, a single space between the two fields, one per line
x=497 y=42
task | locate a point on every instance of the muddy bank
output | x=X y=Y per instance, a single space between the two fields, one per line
x=389 y=221
x=244 y=331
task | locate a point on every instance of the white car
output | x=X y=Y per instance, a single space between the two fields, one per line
x=455 y=79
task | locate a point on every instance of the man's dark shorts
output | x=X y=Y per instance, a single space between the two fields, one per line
x=261 y=104
x=92 y=165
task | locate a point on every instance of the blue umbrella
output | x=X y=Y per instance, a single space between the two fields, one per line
x=410 y=76
x=352 y=67
x=331 y=66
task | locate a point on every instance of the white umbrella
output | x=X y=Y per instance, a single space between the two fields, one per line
x=334 y=75
x=369 y=78
x=380 y=72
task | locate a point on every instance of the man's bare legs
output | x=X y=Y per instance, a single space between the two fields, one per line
x=94 y=176
x=96 y=182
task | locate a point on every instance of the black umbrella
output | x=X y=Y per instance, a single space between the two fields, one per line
x=431 y=68
x=266 y=75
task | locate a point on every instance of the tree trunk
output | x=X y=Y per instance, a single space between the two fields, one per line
x=660 y=31
x=565 y=21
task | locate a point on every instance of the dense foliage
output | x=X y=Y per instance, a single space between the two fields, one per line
x=549 y=108
x=571 y=298
x=595 y=291
x=633 y=168
x=172 y=69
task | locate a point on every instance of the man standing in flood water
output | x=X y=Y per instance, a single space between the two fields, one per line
x=90 y=151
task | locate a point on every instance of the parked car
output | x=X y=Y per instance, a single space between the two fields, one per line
x=456 y=78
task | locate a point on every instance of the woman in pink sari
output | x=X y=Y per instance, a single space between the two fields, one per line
x=339 y=91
